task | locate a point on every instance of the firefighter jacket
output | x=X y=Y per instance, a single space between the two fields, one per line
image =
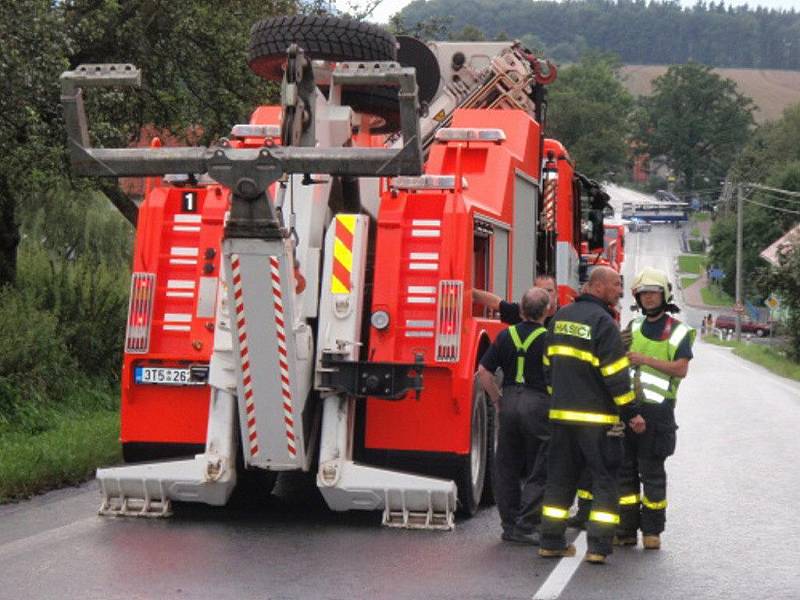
x=587 y=367
x=657 y=386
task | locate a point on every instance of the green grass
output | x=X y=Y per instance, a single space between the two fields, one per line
x=691 y=263
x=701 y=216
x=714 y=296
x=687 y=281
x=66 y=454
x=695 y=232
x=766 y=356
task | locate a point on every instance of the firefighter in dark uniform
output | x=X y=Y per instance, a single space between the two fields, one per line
x=522 y=407
x=660 y=351
x=591 y=391
x=509 y=311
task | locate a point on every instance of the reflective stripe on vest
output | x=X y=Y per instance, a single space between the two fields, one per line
x=656 y=385
x=522 y=348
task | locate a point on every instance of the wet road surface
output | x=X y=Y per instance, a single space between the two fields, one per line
x=732 y=527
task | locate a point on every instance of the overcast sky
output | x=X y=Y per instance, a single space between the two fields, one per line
x=389 y=7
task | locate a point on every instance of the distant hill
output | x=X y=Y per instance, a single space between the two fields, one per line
x=771 y=90
x=638 y=31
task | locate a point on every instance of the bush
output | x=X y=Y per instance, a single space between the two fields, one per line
x=698 y=246
x=34 y=362
x=88 y=302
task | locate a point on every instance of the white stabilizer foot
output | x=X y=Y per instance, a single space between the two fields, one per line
x=407 y=500
x=147 y=490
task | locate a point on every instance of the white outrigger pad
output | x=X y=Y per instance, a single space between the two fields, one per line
x=147 y=490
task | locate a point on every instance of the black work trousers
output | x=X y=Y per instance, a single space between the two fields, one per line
x=573 y=448
x=642 y=477
x=521 y=457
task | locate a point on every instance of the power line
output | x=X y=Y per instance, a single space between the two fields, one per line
x=784 y=210
x=766 y=188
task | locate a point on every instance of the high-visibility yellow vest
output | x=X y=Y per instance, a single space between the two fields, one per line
x=522 y=348
x=658 y=386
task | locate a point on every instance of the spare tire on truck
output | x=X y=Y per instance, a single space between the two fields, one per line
x=321 y=37
x=333 y=39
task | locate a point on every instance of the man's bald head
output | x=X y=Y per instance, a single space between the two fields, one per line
x=534 y=304
x=605 y=283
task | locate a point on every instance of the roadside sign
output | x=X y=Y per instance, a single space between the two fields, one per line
x=773 y=302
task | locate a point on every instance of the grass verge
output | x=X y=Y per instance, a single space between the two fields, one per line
x=771 y=359
x=691 y=263
x=714 y=296
x=66 y=454
x=48 y=443
x=687 y=281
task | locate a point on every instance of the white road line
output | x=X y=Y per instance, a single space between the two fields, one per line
x=565 y=569
x=59 y=534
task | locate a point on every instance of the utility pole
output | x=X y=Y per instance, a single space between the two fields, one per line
x=739 y=241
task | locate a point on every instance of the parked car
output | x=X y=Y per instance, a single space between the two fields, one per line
x=728 y=323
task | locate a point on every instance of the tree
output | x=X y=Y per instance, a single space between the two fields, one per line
x=192 y=56
x=31 y=59
x=785 y=282
x=470 y=33
x=588 y=111
x=696 y=120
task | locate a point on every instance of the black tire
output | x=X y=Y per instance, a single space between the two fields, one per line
x=760 y=333
x=471 y=470
x=321 y=37
x=492 y=423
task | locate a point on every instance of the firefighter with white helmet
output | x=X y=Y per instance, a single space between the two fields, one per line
x=660 y=351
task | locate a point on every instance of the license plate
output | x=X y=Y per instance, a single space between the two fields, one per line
x=164 y=376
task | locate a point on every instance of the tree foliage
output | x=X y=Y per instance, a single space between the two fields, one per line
x=64 y=250
x=638 y=31
x=697 y=120
x=785 y=282
x=588 y=111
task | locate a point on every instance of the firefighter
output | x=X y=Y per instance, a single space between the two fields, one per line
x=660 y=351
x=591 y=391
x=522 y=407
x=510 y=311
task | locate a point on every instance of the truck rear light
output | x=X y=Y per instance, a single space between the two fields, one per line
x=448 y=320
x=456 y=134
x=265 y=131
x=427 y=182
x=140 y=313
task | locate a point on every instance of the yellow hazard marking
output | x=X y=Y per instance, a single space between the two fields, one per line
x=349 y=221
x=337 y=287
x=343 y=254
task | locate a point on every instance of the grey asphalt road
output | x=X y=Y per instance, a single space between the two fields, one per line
x=732 y=531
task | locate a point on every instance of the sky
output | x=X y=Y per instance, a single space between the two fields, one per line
x=389 y=7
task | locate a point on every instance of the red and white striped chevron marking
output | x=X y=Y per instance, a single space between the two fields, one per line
x=244 y=352
x=549 y=204
x=283 y=362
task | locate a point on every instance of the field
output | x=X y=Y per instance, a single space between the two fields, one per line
x=771 y=90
